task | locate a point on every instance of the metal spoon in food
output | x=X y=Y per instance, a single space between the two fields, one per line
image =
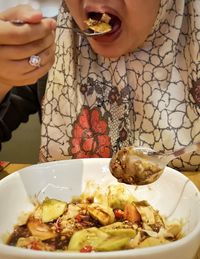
x=141 y=165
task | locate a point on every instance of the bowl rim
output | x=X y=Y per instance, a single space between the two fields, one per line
x=16 y=251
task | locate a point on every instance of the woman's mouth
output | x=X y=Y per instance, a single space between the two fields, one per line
x=114 y=22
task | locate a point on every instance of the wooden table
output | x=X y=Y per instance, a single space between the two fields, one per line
x=193 y=176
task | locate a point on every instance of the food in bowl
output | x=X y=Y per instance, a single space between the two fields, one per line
x=97 y=221
x=173 y=195
x=101 y=25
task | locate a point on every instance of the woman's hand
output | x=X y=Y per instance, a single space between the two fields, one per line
x=19 y=42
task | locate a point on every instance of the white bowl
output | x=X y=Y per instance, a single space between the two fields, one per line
x=173 y=195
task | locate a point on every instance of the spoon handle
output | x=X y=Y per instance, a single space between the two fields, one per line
x=86 y=33
x=170 y=156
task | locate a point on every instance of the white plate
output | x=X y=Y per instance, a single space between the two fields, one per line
x=173 y=195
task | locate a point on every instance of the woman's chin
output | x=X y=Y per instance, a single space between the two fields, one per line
x=109 y=45
x=110 y=52
x=113 y=49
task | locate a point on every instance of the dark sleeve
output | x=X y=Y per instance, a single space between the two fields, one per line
x=17 y=105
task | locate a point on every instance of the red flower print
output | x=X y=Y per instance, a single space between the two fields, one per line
x=90 y=135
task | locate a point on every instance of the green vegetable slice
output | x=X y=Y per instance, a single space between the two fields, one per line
x=52 y=209
x=91 y=236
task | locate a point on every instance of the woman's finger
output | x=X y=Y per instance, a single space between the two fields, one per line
x=24 y=51
x=11 y=34
x=46 y=56
x=18 y=71
x=31 y=77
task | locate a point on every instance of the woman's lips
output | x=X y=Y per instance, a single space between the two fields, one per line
x=115 y=24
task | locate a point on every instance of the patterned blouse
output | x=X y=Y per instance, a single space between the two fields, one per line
x=151 y=97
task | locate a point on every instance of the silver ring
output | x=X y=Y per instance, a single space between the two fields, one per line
x=35 y=61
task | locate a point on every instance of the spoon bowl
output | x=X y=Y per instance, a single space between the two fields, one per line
x=86 y=32
x=141 y=165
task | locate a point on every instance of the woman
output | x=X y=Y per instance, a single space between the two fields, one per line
x=136 y=86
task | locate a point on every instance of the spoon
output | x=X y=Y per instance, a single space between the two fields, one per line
x=141 y=165
x=86 y=32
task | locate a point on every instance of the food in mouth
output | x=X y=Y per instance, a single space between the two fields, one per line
x=101 y=25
